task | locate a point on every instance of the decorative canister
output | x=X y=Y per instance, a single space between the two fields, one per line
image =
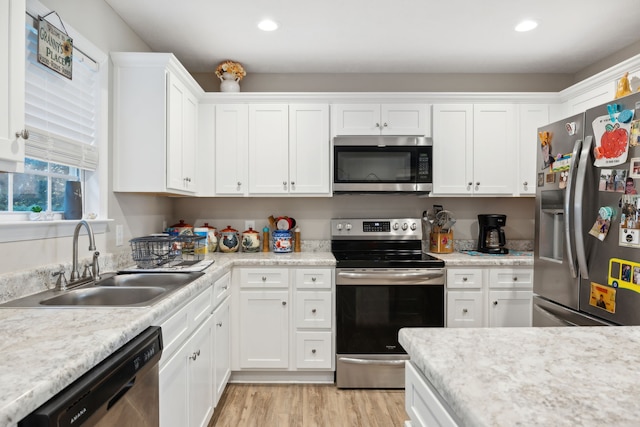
x=212 y=240
x=204 y=232
x=229 y=241
x=250 y=240
x=181 y=229
x=282 y=241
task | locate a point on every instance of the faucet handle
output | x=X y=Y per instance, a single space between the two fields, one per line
x=61 y=283
x=87 y=271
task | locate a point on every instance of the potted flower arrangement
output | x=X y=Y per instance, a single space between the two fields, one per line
x=230 y=73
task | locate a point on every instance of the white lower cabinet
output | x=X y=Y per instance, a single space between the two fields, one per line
x=423 y=403
x=284 y=323
x=195 y=363
x=185 y=375
x=494 y=297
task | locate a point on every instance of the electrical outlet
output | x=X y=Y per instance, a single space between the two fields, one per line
x=119 y=235
x=249 y=224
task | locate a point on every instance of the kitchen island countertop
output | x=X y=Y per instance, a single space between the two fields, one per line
x=587 y=376
x=42 y=350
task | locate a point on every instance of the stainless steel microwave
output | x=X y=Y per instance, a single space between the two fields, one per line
x=382 y=164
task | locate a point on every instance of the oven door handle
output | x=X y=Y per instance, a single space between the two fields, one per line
x=352 y=360
x=392 y=276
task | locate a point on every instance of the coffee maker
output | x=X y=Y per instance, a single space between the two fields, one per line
x=491 y=238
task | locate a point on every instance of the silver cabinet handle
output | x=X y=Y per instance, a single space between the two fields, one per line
x=464 y=310
x=284 y=303
x=515 y=279
x=195 y=355
x=264 y=279
x=239 y=183
x=313 y=351
x=313 y=279
x=495 y=303
x=293 y=183
x=219 y=324
x=24 y=134
x=464 y=279
x=377 y=125
x=469 y=185
x=313 y=311
x=477 y=185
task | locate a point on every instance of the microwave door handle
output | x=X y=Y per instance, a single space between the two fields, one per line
x=568 y=209
x=578 y=201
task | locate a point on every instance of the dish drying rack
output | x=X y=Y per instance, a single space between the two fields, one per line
x=168 y=251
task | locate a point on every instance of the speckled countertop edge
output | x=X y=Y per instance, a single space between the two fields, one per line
x=498 y=377
x=44 y=350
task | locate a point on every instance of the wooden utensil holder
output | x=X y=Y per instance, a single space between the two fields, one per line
x=441 y=243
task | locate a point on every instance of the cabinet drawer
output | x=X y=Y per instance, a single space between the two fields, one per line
x=511 y=278
x=464 y=309
x=313 y=309
x=465 y=278
x=175 y=331
x=313 y=350
x=201 y=307
x=264 y=278
x=316 y=278
x=221 y=289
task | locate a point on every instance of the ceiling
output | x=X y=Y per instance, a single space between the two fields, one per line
x=382 y=36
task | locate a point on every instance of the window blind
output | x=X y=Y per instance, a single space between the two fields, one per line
x=60 y=114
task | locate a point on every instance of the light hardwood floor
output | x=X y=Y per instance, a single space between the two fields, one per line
x=308 y=405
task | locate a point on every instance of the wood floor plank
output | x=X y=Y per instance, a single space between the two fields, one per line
x=308 y=405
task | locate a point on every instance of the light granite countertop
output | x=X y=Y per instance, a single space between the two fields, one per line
x=43 y=350
x=581 y=376
x=475 y=259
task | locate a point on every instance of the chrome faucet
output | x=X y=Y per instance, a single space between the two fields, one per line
x=75 y=274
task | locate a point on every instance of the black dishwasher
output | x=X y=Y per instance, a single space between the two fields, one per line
x=121 y=391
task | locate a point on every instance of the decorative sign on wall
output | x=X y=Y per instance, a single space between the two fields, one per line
x=55 y=48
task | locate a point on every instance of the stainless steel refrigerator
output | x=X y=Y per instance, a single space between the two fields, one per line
x=587 y=238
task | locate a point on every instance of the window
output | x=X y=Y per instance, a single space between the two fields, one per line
x=42 y=184
x=61 y=117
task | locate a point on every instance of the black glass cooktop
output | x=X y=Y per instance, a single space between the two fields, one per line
x=382 y=254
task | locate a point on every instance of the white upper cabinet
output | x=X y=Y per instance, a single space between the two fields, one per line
x=272 y=150
x=269 y=149
x=532 y=116
x=309 y=149
x=155 y=124
x=472 y=149
x=381 y=119
x=12 y=86
x=231 y=149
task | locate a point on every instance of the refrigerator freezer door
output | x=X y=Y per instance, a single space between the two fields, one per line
x=555 y=269
x=547 y=313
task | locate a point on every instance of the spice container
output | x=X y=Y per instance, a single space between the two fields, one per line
x=250 y=240
x=229 y=241
x=282 y=241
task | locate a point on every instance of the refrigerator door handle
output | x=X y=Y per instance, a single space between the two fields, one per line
x=568 y=209
x=577 y=205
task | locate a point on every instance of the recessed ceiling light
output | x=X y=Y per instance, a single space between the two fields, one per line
x=268 y=25
x=527 y=25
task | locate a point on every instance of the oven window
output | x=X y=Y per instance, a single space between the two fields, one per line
x=369 y=317
x=371 y=164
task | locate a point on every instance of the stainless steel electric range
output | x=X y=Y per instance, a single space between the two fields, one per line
x=384 y=282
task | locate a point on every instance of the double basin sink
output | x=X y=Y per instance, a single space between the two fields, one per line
x=112 y=290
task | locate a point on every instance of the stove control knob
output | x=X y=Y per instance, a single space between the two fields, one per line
x=339 y=227
x=347 y=226
x=405 y=226
x=396 y=226
x=413 y=226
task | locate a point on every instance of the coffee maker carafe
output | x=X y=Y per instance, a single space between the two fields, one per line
x=491 y=237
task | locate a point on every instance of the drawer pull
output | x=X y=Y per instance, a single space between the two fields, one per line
x=284 y=303
x=464 y=279
x=219 y=324
x=195 y=355
x=313 y=279
x=264 y=279
x=313 y=351
x=313 y=311
x=464 y=310
x=495 y=303
x=515 y=279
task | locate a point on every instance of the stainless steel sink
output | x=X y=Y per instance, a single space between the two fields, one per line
x=113 y=290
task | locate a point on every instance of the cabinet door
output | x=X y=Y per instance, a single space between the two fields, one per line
x=309 y=147
x=510 y=308
x=12 y=85
x=222 y=348
x=494 y=147
x=357 y=119
x=174 y=383
x=181 y=134
x=264 y=329
x=404 y=119
x=199 y=349
x=232 y=139
x=452 y=149
x=532 y=116
x=464 y=309
x=268 y=149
